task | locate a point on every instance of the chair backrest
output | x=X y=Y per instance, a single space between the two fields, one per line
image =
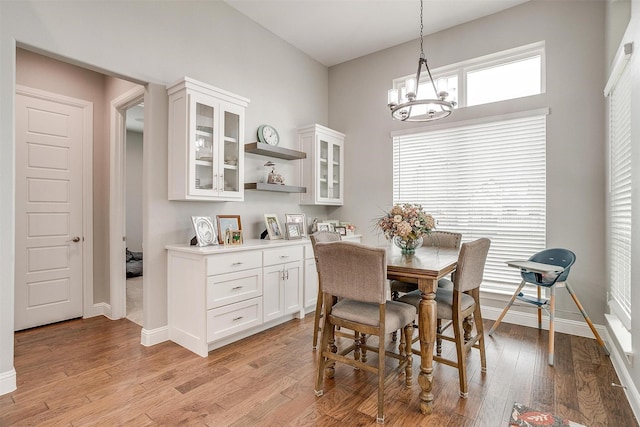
x=471 y=260
x=323 y=237
x=557 y=256
x=443 y=239
x=353 y=270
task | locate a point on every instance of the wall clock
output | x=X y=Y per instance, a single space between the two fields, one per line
x=268 y=135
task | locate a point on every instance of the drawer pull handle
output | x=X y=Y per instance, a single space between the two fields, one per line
x=284 y=256
x=236 y=263
x=235 y=288
x=238 y=318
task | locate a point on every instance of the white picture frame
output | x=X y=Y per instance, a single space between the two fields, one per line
x=206 y=234
x=325 y=226
x=293 y=230
x=300 y=218
x=274 y=228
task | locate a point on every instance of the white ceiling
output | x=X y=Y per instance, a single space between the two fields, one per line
x=335 y=31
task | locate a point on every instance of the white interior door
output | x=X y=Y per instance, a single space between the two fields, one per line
x=49 y=196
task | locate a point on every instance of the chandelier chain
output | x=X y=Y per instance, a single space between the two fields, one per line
x=421 y=36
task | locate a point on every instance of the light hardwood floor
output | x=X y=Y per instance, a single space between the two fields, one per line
x=95 y=372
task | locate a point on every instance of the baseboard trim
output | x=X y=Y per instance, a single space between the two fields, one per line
x=8 y=381
x=100 y=309
x=149 y=337
x=581 y=329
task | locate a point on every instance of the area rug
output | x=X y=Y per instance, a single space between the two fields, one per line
x=523 y=416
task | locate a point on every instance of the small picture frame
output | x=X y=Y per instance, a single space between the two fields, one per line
x=233 y=237
x=206 y=234
x=227 y=222
x=293 y=230
x=325 y=226
x=273 y=227
x=341 y=229
x=300 y=218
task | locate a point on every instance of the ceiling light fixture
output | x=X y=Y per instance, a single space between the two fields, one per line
x=404 y=108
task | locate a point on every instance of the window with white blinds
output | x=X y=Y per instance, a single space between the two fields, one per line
x=620 y=171
x=483 y=180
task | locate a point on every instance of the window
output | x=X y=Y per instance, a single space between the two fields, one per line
x=620 y=206
x=509 y=74
x=484 y=180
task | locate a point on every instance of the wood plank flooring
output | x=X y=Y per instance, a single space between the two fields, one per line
x=95 y=372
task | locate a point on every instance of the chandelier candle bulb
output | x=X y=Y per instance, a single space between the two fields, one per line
x=392 y=97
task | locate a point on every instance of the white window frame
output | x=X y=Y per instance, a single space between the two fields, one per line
x=620 y=192
x=499 y=278
x=461 y=69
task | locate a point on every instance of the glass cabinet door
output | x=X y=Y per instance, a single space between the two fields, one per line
x=336 y=171
x=324 y=169
x=203 y=146
x=231 y=153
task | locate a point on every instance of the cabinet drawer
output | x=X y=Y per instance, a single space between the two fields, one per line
x=233 y=318
x=235 y=261
x=224 y=289
x=282 y=255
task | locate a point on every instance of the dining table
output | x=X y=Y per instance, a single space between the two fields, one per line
x=424 y=267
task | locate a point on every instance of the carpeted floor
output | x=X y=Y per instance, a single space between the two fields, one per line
x=134 y=300
x=523 y=416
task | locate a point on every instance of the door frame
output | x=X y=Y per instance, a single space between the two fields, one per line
x=88 y=307
x=117 y=205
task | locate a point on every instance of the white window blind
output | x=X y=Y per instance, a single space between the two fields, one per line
x=620 y=197
x=483 y=180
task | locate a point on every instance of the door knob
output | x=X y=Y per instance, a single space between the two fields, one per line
x=76 y=239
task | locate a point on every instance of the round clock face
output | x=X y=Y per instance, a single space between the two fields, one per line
x=268 y=135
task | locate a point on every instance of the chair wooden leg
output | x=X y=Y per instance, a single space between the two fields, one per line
x=586 y=317
x=438 y=339
x=322 y=360
x=318 y=315
x=462 y=366
x=504 y=312
x=552 y=315
x=477 y=318
x=363 y=341
x=381 y=376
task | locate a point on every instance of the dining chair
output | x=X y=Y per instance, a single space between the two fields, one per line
x=356 y=275
x=320 y=236
x=547 y=279
x=459 y=302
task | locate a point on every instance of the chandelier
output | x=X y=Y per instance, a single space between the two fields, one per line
x=402 y=108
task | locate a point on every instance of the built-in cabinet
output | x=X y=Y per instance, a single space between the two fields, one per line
x=220 y=294
x=206 y=135
x=322 y=171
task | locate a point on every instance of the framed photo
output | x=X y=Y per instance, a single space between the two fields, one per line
x=293 y=230
x=273 y=226
x=300 y=219
x=333 y=222
x=227 y=222
x=206 y=234
x=325 y=226
x=341 y=229
x=233 y=237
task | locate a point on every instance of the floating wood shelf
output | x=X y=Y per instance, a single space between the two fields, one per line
x=274 y=151
x=274 y=187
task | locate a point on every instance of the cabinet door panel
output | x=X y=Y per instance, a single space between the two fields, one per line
x=293 y=287
x=272 y=292
x=310 y=283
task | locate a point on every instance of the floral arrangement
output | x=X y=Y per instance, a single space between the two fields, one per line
x=406 y=221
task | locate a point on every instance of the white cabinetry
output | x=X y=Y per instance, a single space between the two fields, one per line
x=310 y=279
x=206 y=136
x=282 y=281
x=322 y=171
x=217 y=294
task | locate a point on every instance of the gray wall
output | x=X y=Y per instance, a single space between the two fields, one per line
x=133 y=190
x=574 y=35
x=158 y=43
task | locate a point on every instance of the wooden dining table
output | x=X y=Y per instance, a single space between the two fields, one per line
x=425 y=267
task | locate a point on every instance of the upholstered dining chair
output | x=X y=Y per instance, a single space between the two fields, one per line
x=458 y=303
x=356 y=275
x=320 y=236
